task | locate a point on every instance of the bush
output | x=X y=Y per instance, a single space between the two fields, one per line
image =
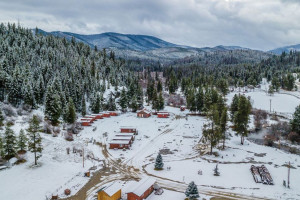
x=293 y=137
x=268 y=142
x=48 y=127
x=69 y=136
x=10 y=123
x=9 y=111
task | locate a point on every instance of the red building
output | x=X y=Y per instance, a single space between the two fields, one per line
x=97 y=116
x=119 y=144
x=86 y=121
x=143 y=113
x=128 y=129
x=113 y=113
x=90 y=117
x=127 y=136
x=142 y=189
x=182 y=108
x=107 y=114
x=163 y=114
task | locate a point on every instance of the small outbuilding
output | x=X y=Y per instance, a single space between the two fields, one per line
x=144 y=113
x=142 y=189
x=182 y=108
x=163 y=114
x=111 y=192
x=128 y=129
x=119 y=144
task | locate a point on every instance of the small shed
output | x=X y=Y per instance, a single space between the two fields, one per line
x=142 y=189
x=163 y=114
x=97 y=116
x=128 y=129
x=111 y=192
x=90 y=117
x=119 y=144
x=86 y=121
x=182 y=108
x=113 y=113
x=143 y=113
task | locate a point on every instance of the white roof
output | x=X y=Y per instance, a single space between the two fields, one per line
x=113 y=188
x=146 y=111
x=142 y=186
x=124 y=135
x=129 y=127
x=162 y=113
x=119 y=142
x=121 y=138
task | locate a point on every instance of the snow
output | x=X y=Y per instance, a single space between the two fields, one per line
x=142 y=186
x=177 y=139
x=113 y=188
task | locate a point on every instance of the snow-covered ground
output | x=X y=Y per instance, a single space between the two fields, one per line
x=177 y=138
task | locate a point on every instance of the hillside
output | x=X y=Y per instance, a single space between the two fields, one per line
x=286 y=49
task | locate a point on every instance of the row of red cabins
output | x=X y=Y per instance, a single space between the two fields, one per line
x=146 y=113
x=124 y=139
x=89 y=119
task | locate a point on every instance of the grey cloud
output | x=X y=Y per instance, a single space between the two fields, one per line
x=251 y=23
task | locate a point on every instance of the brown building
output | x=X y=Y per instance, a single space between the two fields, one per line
x=142 y=189
x=143 y=113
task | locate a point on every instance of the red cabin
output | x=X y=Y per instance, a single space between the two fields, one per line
x=106 y=114
x=128 y=136
x=163 y=114
x=128 y=129
x=120 y=144
x=143 y=113
x=142 y=189
x=112 y=113
x=86 y=122
x=97 y=116
x=93 y=118
x=182 y=108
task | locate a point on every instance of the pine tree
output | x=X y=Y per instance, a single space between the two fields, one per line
x=71 y=112
x=216 y=171
x=270 y=90
x=160 y=102
x=83 y=106
x=22 y=141
x=1 y=118
x=234 y=106
x=199 y=100
x=35 y=140
x=1 y=148
x=191 y=100
x=155 y=103
x=95 y=104
x=275 y=84
x=123 y=102
x=134 y=104
x=29 y=98
x=192 y=191
x=223 y=125
x=159 y=86
x=9 y=141
x=295 y=122
x=241 y=118
x=53 y=107
x=159 y=162
x=111 y=104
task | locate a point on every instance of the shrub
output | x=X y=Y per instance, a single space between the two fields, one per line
x=69 y=136
x=293 y=137
x=9 y=111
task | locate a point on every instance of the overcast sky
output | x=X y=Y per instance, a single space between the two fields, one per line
x=257 y=24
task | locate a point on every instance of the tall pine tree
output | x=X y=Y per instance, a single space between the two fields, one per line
x=10 y=144
x=35 y=140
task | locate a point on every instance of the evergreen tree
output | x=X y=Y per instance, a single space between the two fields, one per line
x=155 y=103
x=234 y=106
x=1 y=118
x=192 y=191
x=83 y=106
x=123 y=102
x=22 y=140
x=191 y=100
x=270 y=90
x=199 y=100
x=295 y=122
x=216 y=171
x=35 y=140
x=159 y=162
x=10 y=144
x=29 y=96
x=275 y=84
x=160 y=102
x=241 y=118
x=134 y=104
x=222 y=85
x=53 y=107
x=111 y=104
x=95 y=104
x=159 y=86
x=223 y=125
x=1 y=148
x=71 y=112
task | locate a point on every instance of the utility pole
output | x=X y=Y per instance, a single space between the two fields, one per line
x=270 y=105
x=83 y=157
x=289 y=174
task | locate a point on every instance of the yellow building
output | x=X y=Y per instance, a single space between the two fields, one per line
x=110 y=192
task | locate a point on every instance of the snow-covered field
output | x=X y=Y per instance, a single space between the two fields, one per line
x=177 y=138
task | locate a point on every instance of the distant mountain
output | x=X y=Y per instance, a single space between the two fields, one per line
x=286 y=49
x=141 y=46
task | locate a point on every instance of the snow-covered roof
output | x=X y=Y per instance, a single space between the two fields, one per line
x=124 y=135
x=121 y=138
x=113 y=188
x=162 y=113
x=145 y=111
x=142 y=186
x=119 y=142
x=128 y=127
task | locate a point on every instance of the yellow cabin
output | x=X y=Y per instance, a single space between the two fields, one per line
x=110 y=192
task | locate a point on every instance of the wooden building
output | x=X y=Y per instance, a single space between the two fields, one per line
x=182 y=108
x=110 y=192
x=86 y=121
x=163 y=114
x=97 y=116
x=125 y=136
x=106 y=114
x=128 y=129
x=143 y=113
x=142 y=189
x=114 y=113
x=91 y=117
x=119 y=144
